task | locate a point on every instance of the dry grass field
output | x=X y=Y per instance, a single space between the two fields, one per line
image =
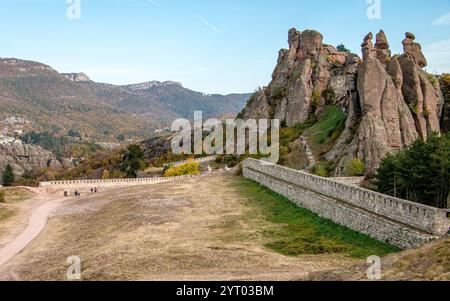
x=14 y=212
x=193 y=229
x=217 y=227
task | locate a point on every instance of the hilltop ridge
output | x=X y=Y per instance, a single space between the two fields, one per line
x=57 y=102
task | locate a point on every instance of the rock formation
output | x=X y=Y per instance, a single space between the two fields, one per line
x=26 y=158
x=77 y=77
x=390 y=101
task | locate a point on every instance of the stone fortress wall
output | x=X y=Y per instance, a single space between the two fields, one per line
x=395 y=221
x=198 y=160
x=110 y=183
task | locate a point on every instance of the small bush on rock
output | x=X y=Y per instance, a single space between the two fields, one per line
x=355 y=168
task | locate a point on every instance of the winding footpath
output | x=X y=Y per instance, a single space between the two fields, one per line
x=36 y=223
x=308 y=152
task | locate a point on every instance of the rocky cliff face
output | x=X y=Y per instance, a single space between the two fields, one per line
x=77 y=77
x=26 y=158
x=390 y=101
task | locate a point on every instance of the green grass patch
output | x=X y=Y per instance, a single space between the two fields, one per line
x=297 y=231
x=332 y=121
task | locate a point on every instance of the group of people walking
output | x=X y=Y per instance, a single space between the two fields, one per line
x=78 y=194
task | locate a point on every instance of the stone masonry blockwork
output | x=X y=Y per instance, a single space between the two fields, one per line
x=398 y=222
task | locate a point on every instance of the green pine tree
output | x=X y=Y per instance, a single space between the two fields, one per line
x=134 y=161
x=420 y=173
x=8 y=176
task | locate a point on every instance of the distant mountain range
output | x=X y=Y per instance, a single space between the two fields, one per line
x=58 y=102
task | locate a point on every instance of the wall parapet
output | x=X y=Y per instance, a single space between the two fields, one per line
x=198 y=160
x=425 y=218
x=111 y=182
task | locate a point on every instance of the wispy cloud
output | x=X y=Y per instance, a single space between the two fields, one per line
x=442 y=20
x=154 y=3
x=438 y=56
x=200 y=69
x=207 y=24
x=145 y=2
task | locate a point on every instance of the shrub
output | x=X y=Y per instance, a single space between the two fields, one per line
x=8 y=176
x=414 y=107
x=105 y=174
x=2 y=196
x=342 y=48
x=239 y=170
x=319 y=170
x=324 y=169
x=73 y=133
x=191 y=168
x=329 y=95
x=315 y=98
x=432 y=79
x=355 y=168
x=278 y=92
x=296 y=75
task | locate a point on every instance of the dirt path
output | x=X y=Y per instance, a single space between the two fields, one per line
x=37 y=219
x=308 y=152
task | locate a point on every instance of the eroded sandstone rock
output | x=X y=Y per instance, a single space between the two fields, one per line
x=390 y=101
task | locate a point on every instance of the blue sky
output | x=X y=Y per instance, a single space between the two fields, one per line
x=213 y=46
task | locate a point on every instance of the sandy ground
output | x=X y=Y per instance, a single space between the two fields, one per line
x=196 y=229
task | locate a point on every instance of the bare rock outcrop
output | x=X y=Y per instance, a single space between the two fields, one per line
x=303 y=73
x=25 y=158
x=420 y=90
x=77 y=77
x=389 y=101
x=382 y=48
x=414 y=50
x=383 y=109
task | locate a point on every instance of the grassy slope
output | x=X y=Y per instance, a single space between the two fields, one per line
x=297 y=231
x=321 y=137
x=429 y=263
x=323 y=134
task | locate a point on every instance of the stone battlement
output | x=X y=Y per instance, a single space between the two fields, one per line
x=83 y=184
x=198 y=160
x=396 y=221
